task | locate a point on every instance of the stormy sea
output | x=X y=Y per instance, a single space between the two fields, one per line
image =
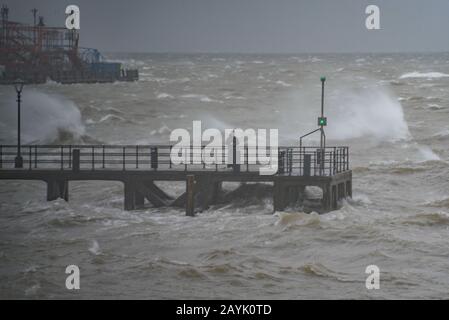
x=392 y=110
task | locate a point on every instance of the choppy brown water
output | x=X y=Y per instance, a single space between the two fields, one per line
x=392 y=110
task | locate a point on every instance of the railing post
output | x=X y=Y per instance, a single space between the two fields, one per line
x=190 y=202
x=76 y=160
x=102 y=159
x=247 y=158
x=342 y=158
x=307 y=162
x=339 y=160
x=216 y=160
x=281 y=162
x=154 y=156
x=202 y=160
x=70 y=156
x=1 y=157
x=124 y=159
x=347 y=159
x=137 y=157
x=29 y=160
x=224 y=156
x=185 y=158
x=235 y=166
x=93 y=158
x=169 y=158
x=289 y=160
x=35 y=156
x=62 y=157
x=334 y=160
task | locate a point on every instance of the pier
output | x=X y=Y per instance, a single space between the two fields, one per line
x=139 y=167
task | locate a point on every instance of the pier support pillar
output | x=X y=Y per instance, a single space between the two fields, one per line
x=293 y=194
x=349 y=188
x=340 y=191
x=57 y=189
x=190 y=198
x=129 y=196
x=285 y=195
x=327 y=197
x=301 y=193
x=216 y=192
x=139 y=200
x=137 y=190
x=207 y=192
x=279 y=196
x=334 y=199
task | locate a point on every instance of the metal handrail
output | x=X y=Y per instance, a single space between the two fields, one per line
x=291 y=160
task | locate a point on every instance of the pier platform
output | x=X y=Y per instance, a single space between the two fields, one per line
x=140 y=167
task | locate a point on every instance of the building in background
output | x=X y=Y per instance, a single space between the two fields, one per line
x=38 y=53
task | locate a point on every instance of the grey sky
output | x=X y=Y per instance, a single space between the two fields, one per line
x=265 y=26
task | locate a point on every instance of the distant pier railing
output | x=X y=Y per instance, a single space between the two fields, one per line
x=302 y=161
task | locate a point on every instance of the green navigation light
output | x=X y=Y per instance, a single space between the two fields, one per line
x=322 y=121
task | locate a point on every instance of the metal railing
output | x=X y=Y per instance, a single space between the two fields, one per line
x=293 y=161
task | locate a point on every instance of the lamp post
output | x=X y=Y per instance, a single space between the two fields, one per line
x=322 y=121
x=18 y=85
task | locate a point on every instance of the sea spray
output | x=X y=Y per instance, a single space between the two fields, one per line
x=45 y=118
x=369 y=112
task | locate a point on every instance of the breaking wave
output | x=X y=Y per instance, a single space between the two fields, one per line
x=441 y=203
x=248 y=194
x=319 y=270
x=45 y=118
x=428 y=219
x=287 y=220
x=362 y=113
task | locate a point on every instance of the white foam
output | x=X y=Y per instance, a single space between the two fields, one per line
x=95 y=248
x=434 y=106
x=201 y=97
x=427 y=154
x=283 y=83
x=111 y=117
x=164 y=96
x=164 y=129
x=442 y=134
x=31 y=291
x=429 y=75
